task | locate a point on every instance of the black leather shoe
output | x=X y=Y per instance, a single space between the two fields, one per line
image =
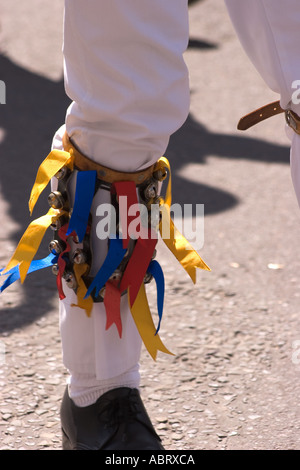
x=117 y=421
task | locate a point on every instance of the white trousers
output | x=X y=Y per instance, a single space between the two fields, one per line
x=126 y=77
x=125 y=73
x=269 y=31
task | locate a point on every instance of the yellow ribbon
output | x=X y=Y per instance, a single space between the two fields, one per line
x=185 y=254
x=174 y=240
x=48 y=168
x=85 y=304
x=163 y=162
x=32 y=238
x=30 y=242
x=143 y=319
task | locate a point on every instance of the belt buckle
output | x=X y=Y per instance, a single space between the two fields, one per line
x=292 y=121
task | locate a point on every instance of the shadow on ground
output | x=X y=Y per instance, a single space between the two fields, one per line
x=35 y=109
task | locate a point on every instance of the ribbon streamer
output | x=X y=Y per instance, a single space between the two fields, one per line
x=127 y=197
x=82 y=302
x=156 y=271
x=48 y=168
x=137 y=266
x=179 y=246
x=85 y=191
x=112 y=301
x=14 y=273
x=142 y=317
x=174 y=240
x=113 y=258
x=30 y=242
x=144 y=247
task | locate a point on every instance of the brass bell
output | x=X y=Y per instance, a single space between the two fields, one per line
x=55 y=246
x=55 y=200
x=79 y=256
x=70 y=280
x=55 y=269
x=150 y=191
x=160 y=174
x=61 y=173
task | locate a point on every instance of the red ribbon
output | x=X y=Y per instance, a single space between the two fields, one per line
x=112 y=301
x=142 y=254
x=127 y=197
x=137 y=266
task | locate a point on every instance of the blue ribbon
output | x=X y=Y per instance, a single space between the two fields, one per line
x=84 y=195
x=113 y=258
x=14 y=274
x=156 y=271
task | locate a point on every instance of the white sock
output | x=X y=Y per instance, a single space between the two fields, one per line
x=85 y=389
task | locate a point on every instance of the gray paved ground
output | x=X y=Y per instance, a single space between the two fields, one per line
x=234 y=380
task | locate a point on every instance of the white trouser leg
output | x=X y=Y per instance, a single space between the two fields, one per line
x=87 y=347
x=269 y=31
x=124 y=71
x=125 y=74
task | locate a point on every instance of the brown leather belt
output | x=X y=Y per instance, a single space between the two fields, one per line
x=271 y=109
x=105 y=174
